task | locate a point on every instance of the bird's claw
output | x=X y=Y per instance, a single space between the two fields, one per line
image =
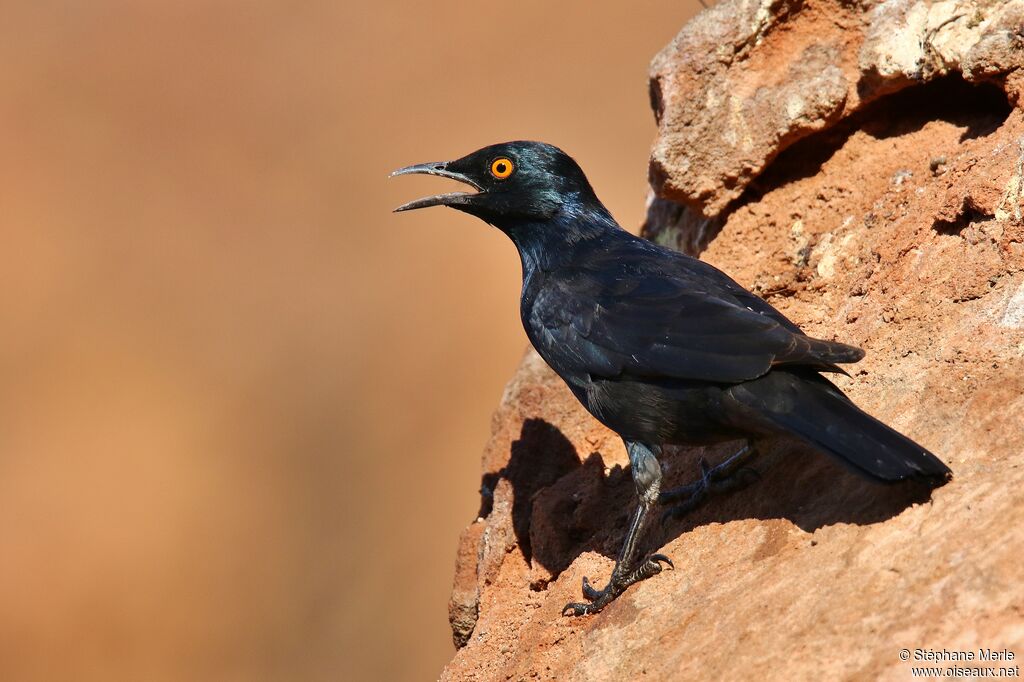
x=698 y=493
x=658 y=558
x=713 y=479
x=577 y=609
x=589 y=591
x=598 y=599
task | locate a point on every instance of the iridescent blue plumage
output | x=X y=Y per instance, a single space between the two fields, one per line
x=661 y=347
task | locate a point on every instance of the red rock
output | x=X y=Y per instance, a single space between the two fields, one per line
x=743 y=81
x=895 y=224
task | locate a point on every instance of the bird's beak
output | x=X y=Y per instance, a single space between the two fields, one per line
x=438 y=168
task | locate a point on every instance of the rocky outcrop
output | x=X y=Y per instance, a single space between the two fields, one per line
x=861 y=166
x=746 y=80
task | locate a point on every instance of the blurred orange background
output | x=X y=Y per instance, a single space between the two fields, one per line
x=242 y=404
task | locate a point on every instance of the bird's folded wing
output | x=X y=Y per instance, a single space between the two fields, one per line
x=666 y=326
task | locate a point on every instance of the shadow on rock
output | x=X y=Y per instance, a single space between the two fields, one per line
x=808 y=489
x=541 y=456
x=564 y=507
x=980 y=109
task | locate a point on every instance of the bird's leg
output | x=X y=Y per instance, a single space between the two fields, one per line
x=647 y=477
x=728 y=476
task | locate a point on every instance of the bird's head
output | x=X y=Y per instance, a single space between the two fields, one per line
x=515 y=182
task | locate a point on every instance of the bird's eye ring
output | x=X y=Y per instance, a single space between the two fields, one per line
x=502 y=167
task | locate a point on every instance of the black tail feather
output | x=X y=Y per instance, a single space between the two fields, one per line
x=811 y=408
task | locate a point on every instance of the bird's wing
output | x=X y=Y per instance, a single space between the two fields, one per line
x=738 y=294
x=610 y=319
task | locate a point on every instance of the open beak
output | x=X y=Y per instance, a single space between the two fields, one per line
x=439 y=168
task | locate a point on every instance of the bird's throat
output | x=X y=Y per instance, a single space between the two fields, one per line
x=551 y=243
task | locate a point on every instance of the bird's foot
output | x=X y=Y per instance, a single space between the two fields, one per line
x=726 y=477
x=598 y=599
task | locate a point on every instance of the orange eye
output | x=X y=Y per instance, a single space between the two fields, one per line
x=502 y=167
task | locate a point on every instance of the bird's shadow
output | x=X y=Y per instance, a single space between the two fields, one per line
x=564 y=506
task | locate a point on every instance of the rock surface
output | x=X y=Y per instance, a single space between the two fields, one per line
x=745 y=80
x=861 y=166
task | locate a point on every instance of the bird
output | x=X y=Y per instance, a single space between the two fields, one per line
x=661 y=347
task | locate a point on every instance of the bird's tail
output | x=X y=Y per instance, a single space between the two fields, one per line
x=811 y=408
